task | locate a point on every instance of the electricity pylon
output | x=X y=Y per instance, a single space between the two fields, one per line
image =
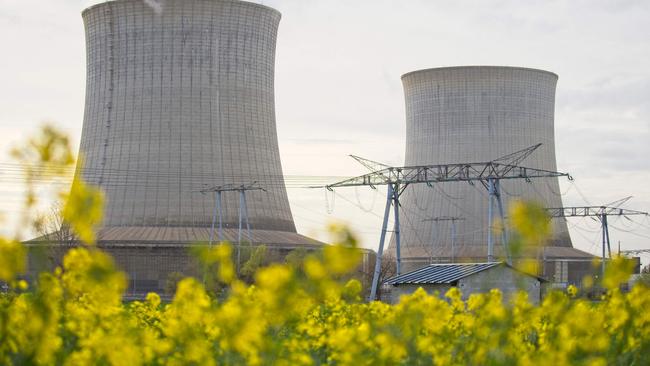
x=600 y=212
x=453 y=220
x=488 y=173
x=634 y=251
x=243 y=211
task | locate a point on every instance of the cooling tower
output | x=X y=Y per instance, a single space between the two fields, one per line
x=180 y=98
x=473 y=114
x=178 y=101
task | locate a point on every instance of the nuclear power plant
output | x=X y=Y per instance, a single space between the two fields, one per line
x=474 y=114
x=180 y=106
x=179 y=132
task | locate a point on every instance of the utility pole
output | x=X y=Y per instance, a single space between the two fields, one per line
x=243 y=211
x=601 y=213
x=453 y=220
x=217 y=207
x=397 y=179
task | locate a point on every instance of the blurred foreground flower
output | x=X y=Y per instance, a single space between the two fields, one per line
x=307 y=312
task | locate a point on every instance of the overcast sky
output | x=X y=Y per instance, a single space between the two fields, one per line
x=338 y=90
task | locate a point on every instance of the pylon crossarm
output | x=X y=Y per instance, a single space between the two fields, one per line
x=587 y=211
x=518 y=156
x=625 y=212
x=445 y=218
x=371 y=165
x=618 y=203
x=446 y=173
x=371 y=179
x=234 y=188
x=634 y=251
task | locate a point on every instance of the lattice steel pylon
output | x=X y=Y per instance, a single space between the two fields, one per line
x=453 y=220
x=243 y=211
x=600 y=212
x=488 y=173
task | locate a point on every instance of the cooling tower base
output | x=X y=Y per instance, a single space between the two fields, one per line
x=153 y=264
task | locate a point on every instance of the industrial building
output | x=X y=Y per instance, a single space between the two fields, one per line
x=179 y=132
x=469 y=278
x=475 y=114
x=180 y=104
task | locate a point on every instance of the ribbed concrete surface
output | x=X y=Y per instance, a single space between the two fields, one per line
x=179 y=101
x=189 y=235
x=474 y=114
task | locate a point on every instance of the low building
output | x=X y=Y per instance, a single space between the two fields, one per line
x=564 y=266
x=470 y=278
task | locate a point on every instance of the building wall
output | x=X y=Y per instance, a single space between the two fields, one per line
x=148 y=267
x=507 y=280
x=564 y=272
x=180 y=101
x=474 y=114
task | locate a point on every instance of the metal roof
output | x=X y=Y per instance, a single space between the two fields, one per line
x=441 y=273
x=173 y=236
x=566 y=253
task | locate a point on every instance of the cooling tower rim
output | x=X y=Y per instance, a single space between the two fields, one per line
x=475 y=67
x=249 y=3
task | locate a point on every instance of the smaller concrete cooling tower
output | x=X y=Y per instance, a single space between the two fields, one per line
x=473 y=114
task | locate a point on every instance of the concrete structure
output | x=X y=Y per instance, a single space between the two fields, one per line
x=473 y=114
x=469 y=278
x=179 y=100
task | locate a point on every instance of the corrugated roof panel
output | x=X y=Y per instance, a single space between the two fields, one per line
x=441 y=273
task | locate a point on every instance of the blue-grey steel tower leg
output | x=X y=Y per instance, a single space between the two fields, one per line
x=241 y=212
x=248 y=225
x=396 y=229
x=214 y=218
x=220 y=216
x=504 y=232
x=380 y=250
x=603 y=221
x=453 y=241
x=609 y=248
x=433 y=238
x=490 y=183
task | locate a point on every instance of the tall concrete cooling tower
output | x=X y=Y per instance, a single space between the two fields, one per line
x=473 y=114
x=179 y=98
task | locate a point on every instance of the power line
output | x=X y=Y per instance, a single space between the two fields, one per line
x=374 y=200
x=354 y=204
x=580 y=193
x=560 y=194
